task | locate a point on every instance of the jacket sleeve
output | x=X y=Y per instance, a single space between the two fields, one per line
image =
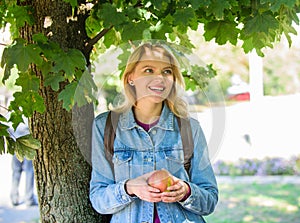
x=204 y=190
x=106 y=196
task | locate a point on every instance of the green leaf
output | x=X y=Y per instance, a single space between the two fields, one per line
x=196 y=3
x=2 y=145
x=132 y=13
x=16 y=117
x=134 y=31
x=28 y=81
x=276 y=4
x=21 y=55
x=73 y=3
x=260 y=23
x=111 y=38
x=6 y=66
x=20 y=15
x=22 y=151
x=53 y=80
x=30 y=102
x=160 y=5
x=46 y=68
x=40 y=38
x=29 y=141
x=111 y=17
x=3 y=129
x=86 y=88
x=217 y=7
x=183 y=16
x=198 y=77
x=160 y=31
x=50 y=49
x=69 y=62
x=92 y=26
x=257 y=42
x=2 y=118
x=78 y=93
x=222 y=31
x=67 y=95
x=10 y=144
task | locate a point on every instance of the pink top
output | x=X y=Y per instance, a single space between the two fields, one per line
x=147 y=127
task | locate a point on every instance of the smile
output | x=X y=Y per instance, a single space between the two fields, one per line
x=158 y=89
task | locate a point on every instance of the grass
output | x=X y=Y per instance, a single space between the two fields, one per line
x=257 y=203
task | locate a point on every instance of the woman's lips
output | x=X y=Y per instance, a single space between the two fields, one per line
x=157 y=88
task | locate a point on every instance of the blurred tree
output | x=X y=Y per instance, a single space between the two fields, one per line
x=52 y=48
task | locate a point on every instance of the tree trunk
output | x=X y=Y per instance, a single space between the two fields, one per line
x=62 y=172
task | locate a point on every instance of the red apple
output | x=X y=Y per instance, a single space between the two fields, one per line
x=160 y=179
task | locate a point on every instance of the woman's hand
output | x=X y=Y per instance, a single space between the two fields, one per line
x=142 y=190
x=176 y=192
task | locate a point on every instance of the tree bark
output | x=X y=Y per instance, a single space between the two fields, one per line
x=62 y=172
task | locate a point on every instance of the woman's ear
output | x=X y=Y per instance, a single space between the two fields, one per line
x=130 y=80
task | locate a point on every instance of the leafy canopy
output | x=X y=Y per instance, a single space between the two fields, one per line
x=256 y=23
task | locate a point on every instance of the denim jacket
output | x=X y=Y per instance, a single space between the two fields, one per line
x=137 y=152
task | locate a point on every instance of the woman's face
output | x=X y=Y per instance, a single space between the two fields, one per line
x=153 y=78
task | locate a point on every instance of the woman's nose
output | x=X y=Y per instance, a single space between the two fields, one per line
x=159 y=73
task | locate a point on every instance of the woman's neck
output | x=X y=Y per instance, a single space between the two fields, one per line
x=147 y=112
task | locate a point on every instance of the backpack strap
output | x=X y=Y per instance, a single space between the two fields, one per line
x=187 y=141
x=185 y=133
x=110 y=134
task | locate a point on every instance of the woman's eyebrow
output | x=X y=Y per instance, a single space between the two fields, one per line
x=147 y=66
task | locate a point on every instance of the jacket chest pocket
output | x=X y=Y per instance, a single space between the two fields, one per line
x=170 y=158
x=122 y=160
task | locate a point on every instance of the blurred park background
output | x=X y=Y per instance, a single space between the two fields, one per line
x=260 y=137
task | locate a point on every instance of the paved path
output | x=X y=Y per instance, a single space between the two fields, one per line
x=9 y=213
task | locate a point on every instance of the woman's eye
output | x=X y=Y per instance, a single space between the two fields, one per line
x=167 y=72
x=148 y=70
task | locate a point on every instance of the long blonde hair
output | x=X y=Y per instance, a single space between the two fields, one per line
x=176 y=104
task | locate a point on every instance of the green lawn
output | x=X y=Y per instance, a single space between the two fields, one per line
x=257 y=203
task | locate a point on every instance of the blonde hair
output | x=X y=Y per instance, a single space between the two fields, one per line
x=176 y=104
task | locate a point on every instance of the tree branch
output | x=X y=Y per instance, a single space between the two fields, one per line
x=92 y=42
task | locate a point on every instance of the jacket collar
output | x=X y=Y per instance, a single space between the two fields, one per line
x=166 y=120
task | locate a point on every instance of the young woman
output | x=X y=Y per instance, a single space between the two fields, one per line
x=147 y=139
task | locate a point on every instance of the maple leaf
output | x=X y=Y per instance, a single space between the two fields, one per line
x=28 y=82
x=111 y=17
x=21 y=150
x=78 y=92
x=20 y=15
x=73 y=3
x=260 y=23
x=217 y=8
x=3 y=129
x=222 y=31
x=69 y=62
x=133 y=31
x=21 y=55
x=67 y=95
x=2 y=144
x=277 y=4
x=29 y=101
x=29 y=141
x=16 y=117
x=53 y=80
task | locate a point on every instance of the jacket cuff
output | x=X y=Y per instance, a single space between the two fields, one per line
x=122 y=195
